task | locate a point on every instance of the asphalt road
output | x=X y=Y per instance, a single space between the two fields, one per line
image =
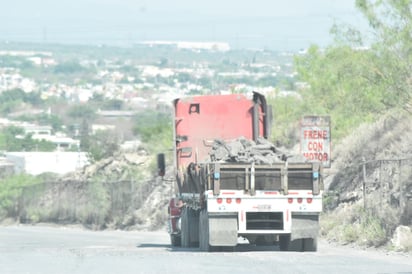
x=43 y=249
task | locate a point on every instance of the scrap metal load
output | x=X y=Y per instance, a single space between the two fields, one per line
x=272 y=167
x=243 y=150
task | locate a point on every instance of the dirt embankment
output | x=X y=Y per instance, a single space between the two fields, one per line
x=370 y=184
x=120 y=192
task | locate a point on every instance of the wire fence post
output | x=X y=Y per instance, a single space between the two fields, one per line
x=402 y=203
x=364 y=182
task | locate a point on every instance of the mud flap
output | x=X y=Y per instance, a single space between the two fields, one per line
x=305 y=226
x=189 y=227
x=223 y=230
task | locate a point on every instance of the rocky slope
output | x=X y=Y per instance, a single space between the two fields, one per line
x=369 y=188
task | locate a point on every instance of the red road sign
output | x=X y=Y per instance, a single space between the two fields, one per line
x=315 y=139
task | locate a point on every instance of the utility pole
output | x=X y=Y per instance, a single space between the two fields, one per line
x=44 y=35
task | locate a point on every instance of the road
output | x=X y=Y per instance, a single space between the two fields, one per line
x=45 y=249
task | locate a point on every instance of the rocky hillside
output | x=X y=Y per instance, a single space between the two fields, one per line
x=120 y=192
x=370 y=184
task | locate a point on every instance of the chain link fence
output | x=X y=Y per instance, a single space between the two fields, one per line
x=388 y=182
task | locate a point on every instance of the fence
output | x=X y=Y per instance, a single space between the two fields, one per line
x=388 y=181
x=90 y=203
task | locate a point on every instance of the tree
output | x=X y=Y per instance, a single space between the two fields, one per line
x=391 y=28
x=85 y=138
x=113 y=104
x=69 y=68
x=103 y=144
x=13 y=139
x=155 y=129
x=82 y=112
x=10 y=191
x=354 y=83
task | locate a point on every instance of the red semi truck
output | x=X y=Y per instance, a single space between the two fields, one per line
x=231 y=182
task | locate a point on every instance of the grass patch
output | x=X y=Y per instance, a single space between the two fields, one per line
x=10 y=192
x=348 y=225
x=96 y=209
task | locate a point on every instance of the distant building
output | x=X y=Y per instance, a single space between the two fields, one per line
x=61 y=141
x=131 y=145
x=212 y=46
x=36 y=163
x=6 y=168
x=37 y=130
x=96 y=128
x=116 y=113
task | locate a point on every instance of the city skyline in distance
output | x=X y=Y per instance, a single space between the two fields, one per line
x=261 y=24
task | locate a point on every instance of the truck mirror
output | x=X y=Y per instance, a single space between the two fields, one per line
x=161 y=164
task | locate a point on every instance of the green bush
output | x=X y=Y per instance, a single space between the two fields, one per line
x=96 y=210
x=354 y=225
x=155 y=129
x=349 y=233
x=10 y=192
x=372 y=231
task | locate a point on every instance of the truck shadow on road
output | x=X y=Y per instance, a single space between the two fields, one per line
x=238 y=248
x=153 y=246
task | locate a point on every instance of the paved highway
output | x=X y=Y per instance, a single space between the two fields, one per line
x=44 y=249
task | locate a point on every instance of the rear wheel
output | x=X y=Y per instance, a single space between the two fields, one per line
x=185 y=237
x=310 y=244
x=175 y=240
x=204 y=231
x=264 y=240
x=296 y=245
x=284 y=241
x=299 y=245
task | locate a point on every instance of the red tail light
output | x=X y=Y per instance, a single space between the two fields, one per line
x=309 y=200
x=300 y=200
x=229 y=200
x=219 y=200
x=290 y=200
x=238 y=200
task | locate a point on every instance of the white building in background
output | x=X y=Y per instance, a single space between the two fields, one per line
x=213 y=46
x=37 y=130
x=36 y=163
x=61 y=141
x=6 y=168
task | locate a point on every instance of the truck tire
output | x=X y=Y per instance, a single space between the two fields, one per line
x=175 y=240
x=310 y=244
x=299 y=245
x=204 y=231
x=185 y=237
x=296 y=245
x=284 y=242
x=263 y=240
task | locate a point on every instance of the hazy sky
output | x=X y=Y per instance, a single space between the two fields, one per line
x=274 y=24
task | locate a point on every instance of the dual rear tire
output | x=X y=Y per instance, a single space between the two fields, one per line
x=300 y=245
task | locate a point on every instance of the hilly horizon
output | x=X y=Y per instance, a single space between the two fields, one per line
x=263 y=24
